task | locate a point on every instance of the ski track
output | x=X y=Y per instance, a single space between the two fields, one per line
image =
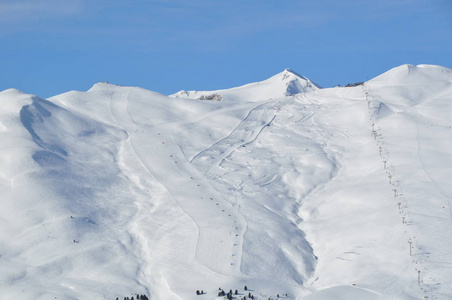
x=213 y=234
x=246 y=132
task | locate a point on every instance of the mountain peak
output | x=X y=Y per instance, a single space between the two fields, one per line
x=414 y=74
x=286 y=83
x=295 y=82
x=289 y=71
x=102 y=86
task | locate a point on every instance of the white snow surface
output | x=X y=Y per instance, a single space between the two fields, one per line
x=286 y=83
x=289 y=189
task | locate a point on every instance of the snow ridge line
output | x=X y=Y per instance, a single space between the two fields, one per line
x=374 y=107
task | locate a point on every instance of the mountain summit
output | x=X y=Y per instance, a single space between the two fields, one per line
x=286 y=83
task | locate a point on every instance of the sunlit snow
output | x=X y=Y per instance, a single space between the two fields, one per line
x=280 y=186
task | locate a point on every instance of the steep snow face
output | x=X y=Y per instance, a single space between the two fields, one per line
x=286 y=83
x=330 y=193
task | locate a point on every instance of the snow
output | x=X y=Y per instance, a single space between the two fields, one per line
x=286 y=83
x=278 y=185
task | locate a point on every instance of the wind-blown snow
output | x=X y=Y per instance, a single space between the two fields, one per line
x=281 y=186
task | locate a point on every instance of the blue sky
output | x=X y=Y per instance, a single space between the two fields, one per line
x=49 y=47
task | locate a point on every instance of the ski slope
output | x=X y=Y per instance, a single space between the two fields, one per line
x=279 y=185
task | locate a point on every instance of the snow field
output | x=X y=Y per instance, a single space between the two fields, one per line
x=416 y=143
x=318 y=193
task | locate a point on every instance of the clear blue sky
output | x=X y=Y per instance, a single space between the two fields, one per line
x=52 y=46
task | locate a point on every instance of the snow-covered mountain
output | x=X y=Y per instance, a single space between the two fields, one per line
x=283 y=187
x=286 y=83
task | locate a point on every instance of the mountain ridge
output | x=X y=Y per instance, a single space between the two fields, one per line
x=285 y=83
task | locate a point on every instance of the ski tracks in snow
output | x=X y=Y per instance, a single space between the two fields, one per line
x=220 y=227
x=215 y=160
x=133 y=168
x=246 y=132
